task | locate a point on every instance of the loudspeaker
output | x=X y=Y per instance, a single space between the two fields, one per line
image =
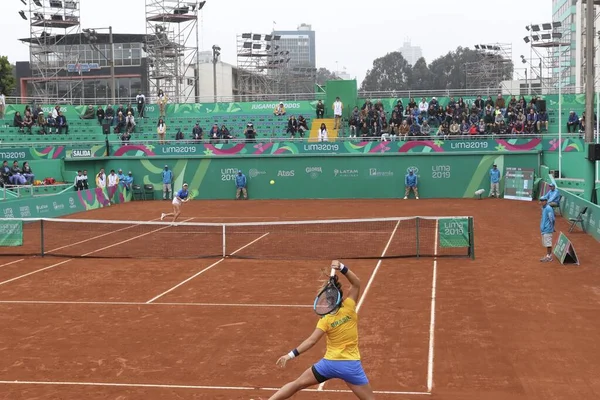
x=106 y=129
x=541 y=105
x=594 y=152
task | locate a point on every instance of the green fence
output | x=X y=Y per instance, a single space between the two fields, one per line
x=454 y=175
x=53 y=206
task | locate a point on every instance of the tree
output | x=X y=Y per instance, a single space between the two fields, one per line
x=324 y=75
x=7 y=78
x=390 y=72
x=421 y=77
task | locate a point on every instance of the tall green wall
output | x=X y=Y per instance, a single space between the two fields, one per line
x=297 y=177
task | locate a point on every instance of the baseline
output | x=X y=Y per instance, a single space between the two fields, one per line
x=195 y=387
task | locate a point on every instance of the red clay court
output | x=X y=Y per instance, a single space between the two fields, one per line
x=503 y=326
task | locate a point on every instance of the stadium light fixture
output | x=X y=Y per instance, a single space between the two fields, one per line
x=546 y=26
x=556 y=24
x=526 y=39
x=535 y=37
x=22 y=14
x=546 y=36
x=216 y=53
x=535 y=28
x=37 y=3
x=24 y=2
x=201 y=5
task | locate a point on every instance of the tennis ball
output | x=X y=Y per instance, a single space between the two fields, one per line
x=272 y=182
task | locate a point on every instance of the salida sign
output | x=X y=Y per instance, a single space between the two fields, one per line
x=79 y=153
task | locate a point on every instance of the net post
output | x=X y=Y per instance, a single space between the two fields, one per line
x=224 y=242
x=417 y=223
x=471 y=238
x=42 y=237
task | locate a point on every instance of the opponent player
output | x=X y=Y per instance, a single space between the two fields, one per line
x=182 y=196
x=342 y=358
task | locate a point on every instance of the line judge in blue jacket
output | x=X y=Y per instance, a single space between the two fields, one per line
x=553 y=196
x=547 y=228
x=410 y=183
x=240 y=184
x=495 y=182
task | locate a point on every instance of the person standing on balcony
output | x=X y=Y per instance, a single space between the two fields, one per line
x=161 y=129
x=140 y=99
x=162 y=103
x=338 y=109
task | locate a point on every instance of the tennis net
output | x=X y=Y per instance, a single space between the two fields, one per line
x=319 y=239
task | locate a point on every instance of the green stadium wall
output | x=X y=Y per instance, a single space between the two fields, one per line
x=456 y=175
x=59 y=205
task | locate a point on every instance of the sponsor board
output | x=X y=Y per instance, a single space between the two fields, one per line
x=58 y=206
x=8 y=213
x=286 y=174
x=314 y=172
x=440 y=171
x=255 y=173
x=375 y=173
x=25 y=211
x=42 y=208
x=72 y=204
x=413 y=169
x=345 y=173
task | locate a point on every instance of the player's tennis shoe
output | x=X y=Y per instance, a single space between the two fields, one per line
x=162 y=216
x=405 y=198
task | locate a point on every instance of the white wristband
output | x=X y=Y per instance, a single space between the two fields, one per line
x=291 y=355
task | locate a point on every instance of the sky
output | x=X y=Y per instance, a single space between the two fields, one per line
x=349 y=34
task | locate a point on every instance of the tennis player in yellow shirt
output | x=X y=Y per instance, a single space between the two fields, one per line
x=342 y=358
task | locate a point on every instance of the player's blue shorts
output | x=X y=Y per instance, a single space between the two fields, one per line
x=350 y=371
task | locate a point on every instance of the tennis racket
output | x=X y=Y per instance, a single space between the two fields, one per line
x=329 y=298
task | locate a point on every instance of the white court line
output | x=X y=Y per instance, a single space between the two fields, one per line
x=196 y=387
x=137 y=304
x=369 y=283
x=430 y=357
x=84 y=255
x=204 y=270
x=12 y=262
x=80 y=242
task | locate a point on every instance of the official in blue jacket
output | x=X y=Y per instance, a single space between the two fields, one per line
x=553 y=196
x=240 y=184
x=547 y=228
x=495 y=182
x=410 y=183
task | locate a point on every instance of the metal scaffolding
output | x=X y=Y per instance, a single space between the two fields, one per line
x=493 y=66
x=172 y=47
x=259 y=63
x=551 y=49
x=53 y=55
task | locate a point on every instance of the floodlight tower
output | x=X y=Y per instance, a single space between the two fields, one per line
x=54 y=27
x=172 y=46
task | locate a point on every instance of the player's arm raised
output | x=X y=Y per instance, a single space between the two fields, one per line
x=354 y=292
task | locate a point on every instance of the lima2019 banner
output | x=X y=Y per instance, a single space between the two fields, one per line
x=282 y=148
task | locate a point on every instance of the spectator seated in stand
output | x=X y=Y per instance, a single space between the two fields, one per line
x=320 y=109
x=292 y=126
x=100 y=115
x=51 y=123
x=179 y=135
x=213 y=133
x=129 y=123
x=5 y=174
x=41 y=123
x=61 y=123
x=89 y=113
x=279 y=109
x=225 y=134
x=120 y=123
x=16 y=176
x=197 y=132
x=27 y=172
x=250 y=133
x=109 y=115
x=572 y=122
x=302 y=126
x=18 y=121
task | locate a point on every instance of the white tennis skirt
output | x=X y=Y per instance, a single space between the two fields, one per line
x=176 y=202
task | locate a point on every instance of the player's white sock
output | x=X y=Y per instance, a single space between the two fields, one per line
x=162 y=216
